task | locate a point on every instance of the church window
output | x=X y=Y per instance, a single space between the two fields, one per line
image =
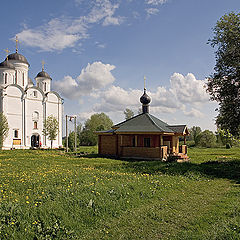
x=45 y=87
x=35 y=116
x=15 y=133
x=35 y=94
x=16 y=77
x=23 y=78
x=5 y=79
x=35 y=125
x=146 y=142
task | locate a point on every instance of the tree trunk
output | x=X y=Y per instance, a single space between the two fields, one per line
x=51 y=143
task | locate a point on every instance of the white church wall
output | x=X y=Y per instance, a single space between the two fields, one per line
x=34 y=113
x=12 y=108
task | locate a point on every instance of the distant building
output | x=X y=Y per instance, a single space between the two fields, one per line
x=27 y=106
x=143 y=136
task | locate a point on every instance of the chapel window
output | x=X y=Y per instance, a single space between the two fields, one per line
x=16 y=77
x=15 y=133
x=23 y=78
x=35 y=94
x=5 y=79
x=35 y=125
x=146 y=142
x=45 y=87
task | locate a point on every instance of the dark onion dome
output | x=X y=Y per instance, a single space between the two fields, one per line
x=43 y=74
x=18 y=57
x=6 y=64
x=145 y=99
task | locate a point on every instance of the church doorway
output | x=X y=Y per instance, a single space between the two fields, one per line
x=35 y=141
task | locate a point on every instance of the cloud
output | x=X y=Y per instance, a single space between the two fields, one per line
x=194 y=113
x=151 y=11
x=188 y=89
x=155 y=2
x=92 y=78
x=60 y=33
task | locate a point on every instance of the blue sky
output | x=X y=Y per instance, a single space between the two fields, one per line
x=98 y=51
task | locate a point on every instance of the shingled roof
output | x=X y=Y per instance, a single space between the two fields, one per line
x=145 y=123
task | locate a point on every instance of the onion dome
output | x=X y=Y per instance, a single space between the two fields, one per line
x=18 y=57
x=145 y=99
x=43 y=74
x=6 y=64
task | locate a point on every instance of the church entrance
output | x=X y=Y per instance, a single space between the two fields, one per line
x=35 y=141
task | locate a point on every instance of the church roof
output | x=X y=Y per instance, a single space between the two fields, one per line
x=18 y=57
x=145 y=123
x=6 y=64
x=43 y=74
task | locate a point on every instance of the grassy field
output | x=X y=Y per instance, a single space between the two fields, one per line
x=50 y=195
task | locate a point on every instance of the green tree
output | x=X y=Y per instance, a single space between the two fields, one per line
x=224 y=84
x=195 y=134
x=71 y=140
x=97 y=122
x=128 y=113
x=50 y=128
x=207 y=139
x=4 y=129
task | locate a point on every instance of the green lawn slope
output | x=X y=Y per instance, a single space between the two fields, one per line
x=51 y=195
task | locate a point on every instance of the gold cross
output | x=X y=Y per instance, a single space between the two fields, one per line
x=17 y=41
x=43 y=65
x=144 y=82
x=7 y=52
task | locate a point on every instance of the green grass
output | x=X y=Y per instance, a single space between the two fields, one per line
x=50 y=195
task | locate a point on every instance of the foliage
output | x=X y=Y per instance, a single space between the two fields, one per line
x=97 y=122
x=50 y=128
x=128 y=113
x=4 y=129
x=195 y=134
x=226 y=138
x=71 y=141
x=207 y=139
x=49 y=195
x=224 y=84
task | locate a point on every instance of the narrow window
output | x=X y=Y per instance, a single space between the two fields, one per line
x=16 y=77
x=6 y=78
x=35 y=94
x=146 y=142
x=45 y=87
x=133 y=142
x=23 y=78
x=35 y=125
x=15 y=133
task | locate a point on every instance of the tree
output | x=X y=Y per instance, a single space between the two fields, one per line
x=207 y=139
x=97 y=122
x=224 y=84
x=128 y=113
x=50 y=128
x=195 y=133
x=3 y=129
x=71 y=140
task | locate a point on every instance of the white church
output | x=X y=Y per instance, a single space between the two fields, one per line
x=26 y=105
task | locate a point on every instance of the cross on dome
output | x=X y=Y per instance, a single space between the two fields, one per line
x=17 y=41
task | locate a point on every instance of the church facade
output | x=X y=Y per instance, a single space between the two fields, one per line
x=27 y=105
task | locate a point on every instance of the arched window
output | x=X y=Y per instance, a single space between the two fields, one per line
x=35 y=125
x=45 y=87
x=5 y=81
x=35 y=116
x=23 y=78
x=15 y=133
x=16 y=77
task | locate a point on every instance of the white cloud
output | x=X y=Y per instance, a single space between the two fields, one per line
x=194 y=113
x=188 y=89
x=60 y=33
x=152 y=11
x=92 y=78
x=155 y=2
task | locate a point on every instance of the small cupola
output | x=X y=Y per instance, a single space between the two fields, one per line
x=145 y=100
